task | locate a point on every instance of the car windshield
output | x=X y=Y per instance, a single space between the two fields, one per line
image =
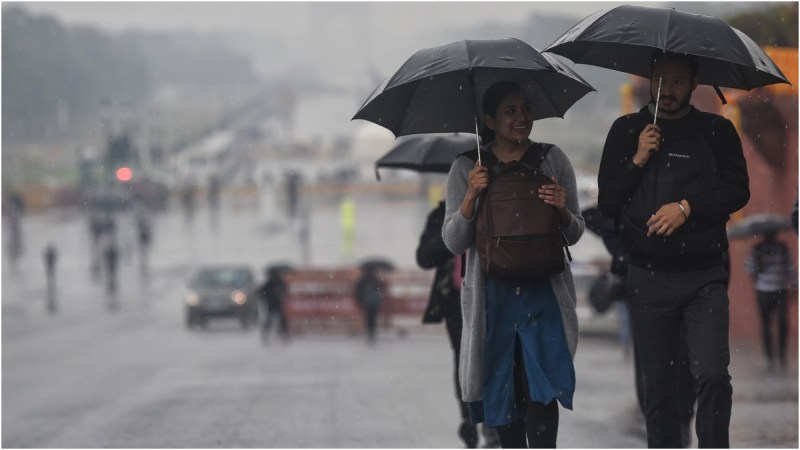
x=220 y=277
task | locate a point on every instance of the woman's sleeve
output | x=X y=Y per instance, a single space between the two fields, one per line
x=458 y=233
x=565 y=175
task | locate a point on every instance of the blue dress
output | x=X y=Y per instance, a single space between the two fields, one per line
x=529 y=310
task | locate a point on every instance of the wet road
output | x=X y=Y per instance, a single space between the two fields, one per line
x=123 y=371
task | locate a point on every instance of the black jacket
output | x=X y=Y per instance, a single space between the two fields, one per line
x=700 y=160
x=432 y=253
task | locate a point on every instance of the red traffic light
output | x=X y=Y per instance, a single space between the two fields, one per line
x=124 y=174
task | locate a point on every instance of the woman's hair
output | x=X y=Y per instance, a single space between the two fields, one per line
x=491 y=101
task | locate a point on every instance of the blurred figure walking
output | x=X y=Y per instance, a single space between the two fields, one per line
x=50 y=258
x=272 y=293
x=773 y=273
x=370 y=291
x=111 y=258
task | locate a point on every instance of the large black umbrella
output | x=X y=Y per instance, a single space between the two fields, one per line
x=439 y=90
x=624 y=38
x=426 y=152
x=757 y=224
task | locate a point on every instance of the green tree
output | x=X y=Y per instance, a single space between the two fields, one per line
x=772 y=26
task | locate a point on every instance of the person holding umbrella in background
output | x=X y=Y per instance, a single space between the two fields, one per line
x=770 y=265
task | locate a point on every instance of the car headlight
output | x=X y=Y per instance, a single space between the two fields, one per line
x=192 y=299
x=239 y=297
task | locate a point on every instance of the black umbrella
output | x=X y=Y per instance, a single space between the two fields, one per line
x=438 y=90
x=373 y=264
x=624 y=39
x=425 y=152
x=758 y=224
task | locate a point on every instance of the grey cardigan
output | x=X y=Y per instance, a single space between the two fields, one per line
x=459 y=236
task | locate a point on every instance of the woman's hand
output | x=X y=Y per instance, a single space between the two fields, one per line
x=478 y=180
x=555 y=195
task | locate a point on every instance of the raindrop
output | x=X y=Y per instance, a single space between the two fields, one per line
x=672 y=362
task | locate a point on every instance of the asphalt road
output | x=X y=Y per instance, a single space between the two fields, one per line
x=123 y=371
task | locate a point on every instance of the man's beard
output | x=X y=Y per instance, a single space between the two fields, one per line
x=680 y=106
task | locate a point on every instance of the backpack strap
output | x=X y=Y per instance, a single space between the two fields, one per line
x=536 y=154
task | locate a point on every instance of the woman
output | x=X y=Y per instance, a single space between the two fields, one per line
x=519 y=338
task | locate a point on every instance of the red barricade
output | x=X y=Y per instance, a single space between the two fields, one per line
x=323 y=300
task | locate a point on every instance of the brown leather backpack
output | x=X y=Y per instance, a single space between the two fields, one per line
x=518 y=235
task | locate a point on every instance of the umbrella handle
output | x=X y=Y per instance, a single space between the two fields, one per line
x=721 y=97
x=478 y=140
x=658 y=98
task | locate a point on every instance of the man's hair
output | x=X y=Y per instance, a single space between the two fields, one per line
x=691 y=60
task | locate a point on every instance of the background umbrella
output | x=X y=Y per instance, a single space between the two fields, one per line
x=624 y=38
x=758 y=224
x=439 y=90
x=373 y=264
x=425 y=152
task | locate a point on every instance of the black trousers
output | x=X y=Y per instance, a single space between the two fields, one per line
x=686 y=390
x=538 y=425
x=769 y=304
x=661 y=304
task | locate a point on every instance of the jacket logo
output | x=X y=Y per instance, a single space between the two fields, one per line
x=678 y=155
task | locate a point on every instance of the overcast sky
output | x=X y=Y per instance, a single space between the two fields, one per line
x=294 y=17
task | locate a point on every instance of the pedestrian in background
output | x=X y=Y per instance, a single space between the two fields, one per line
x=50 y=255
x=672 y=187
x=518 y=338
x=370 y=291
x=772 y=270
x=111 y=256
x=444 y=303
x=272 y=293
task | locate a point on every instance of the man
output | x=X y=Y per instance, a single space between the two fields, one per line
x=672 y=187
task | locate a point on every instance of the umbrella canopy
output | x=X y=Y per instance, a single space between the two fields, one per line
x=426 y=152
x=373 y=264
x=624 y=38
x=439 y=90
x=756 y=224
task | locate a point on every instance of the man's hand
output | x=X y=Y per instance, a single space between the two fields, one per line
x=666 y=220
x=649 y=143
